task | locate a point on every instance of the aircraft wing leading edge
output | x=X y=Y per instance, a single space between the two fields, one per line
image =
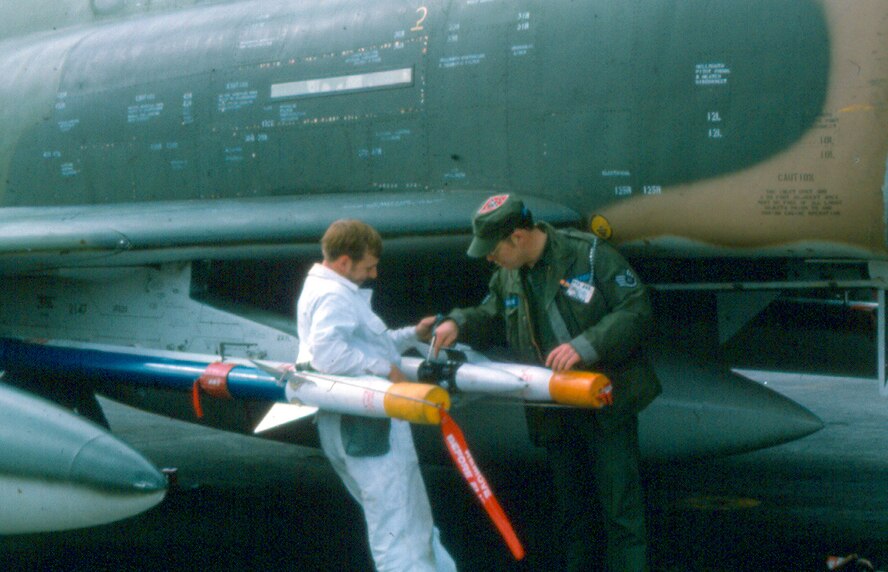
x=33 y=238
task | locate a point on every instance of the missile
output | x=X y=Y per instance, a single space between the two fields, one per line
x=527 y=382
x=278 y=382
x=59 y=471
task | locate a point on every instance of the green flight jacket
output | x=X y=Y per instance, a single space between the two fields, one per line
x=607 y=332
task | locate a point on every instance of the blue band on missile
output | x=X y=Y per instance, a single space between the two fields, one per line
x=145 y=370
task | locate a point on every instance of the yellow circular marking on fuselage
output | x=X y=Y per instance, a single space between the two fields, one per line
x=601 y=227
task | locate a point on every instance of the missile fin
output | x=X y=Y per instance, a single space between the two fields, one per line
x=283 y=413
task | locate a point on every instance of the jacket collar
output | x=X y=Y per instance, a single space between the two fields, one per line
x=318 y=270
x=560 y=259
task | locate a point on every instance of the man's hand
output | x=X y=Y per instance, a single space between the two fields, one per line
x=424 y=328
x=563 y=357
x=396 y=375
x=445 y=335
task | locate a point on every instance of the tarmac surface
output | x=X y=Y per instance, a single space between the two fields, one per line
x=248 y=504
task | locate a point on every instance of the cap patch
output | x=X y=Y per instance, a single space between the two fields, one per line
x=492 y=204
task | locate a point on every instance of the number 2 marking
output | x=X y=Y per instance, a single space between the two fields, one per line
x=424 y=13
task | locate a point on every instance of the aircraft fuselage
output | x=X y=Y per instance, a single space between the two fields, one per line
x=680 y=128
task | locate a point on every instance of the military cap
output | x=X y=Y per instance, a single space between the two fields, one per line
x=494 y=221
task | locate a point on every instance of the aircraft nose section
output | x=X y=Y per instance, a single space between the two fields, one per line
x=107 y=463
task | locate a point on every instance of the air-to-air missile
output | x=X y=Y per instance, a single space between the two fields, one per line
x=60 y=472
x=416 y=401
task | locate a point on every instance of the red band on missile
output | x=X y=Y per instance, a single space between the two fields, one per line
x=214 y=382
x=462 y=457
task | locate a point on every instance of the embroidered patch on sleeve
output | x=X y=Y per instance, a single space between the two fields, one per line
x=626 y=280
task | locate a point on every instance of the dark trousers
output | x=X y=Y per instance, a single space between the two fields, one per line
x=597 y=481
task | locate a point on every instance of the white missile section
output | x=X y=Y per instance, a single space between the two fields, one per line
x=472 y=378
x=59 y=471
x=528 y=382
x=368 y=396
x=578 y=388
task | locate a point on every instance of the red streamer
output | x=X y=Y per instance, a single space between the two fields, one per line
x=462 y=457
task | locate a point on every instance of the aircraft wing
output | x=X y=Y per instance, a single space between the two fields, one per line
x=35 y=238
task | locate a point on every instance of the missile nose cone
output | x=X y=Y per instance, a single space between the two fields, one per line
x=107 y=463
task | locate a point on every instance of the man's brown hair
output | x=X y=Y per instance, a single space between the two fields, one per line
x=351 y=237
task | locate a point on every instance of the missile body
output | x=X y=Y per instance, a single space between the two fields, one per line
x=60 y=472
x=527 y=382
x=278 y=382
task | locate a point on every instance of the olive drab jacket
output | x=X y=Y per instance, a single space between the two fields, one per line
x=607 y=331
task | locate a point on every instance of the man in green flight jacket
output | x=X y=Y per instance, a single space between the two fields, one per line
x=569 y=300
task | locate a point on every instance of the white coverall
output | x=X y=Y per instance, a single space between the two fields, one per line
x=339 y=334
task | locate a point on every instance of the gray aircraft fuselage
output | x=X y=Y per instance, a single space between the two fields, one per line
x=688 y=127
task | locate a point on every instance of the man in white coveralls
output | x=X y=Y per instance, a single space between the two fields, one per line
x=340 y=334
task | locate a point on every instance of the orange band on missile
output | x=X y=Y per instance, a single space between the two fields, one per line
x=416 y=402
x=581 y=389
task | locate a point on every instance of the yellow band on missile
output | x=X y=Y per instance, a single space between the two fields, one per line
x=580 y=389
x=416 y=402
